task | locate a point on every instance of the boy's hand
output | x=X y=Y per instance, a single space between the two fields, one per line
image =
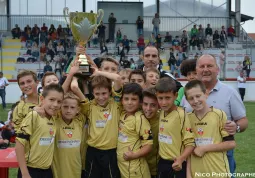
x=75 y=67
x=80 y=50
x=200 y=151
x=95 y=71
x=177 y=165
x=91 y=62
x=40 y=111
x=130 y=155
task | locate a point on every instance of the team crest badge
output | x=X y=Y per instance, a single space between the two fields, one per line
x=51 y=131
x=200 y=131
x=69 y=134
x=107 y=116
x=161 y=128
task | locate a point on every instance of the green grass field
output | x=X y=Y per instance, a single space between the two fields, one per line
x=244 y=152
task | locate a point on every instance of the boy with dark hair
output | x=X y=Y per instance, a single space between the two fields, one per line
x=150 y=109
x=137 y=76
x=35 y=138
x=103 y=114
x=176 y=141
x=212 y=140
x=188 y=69
x=135 y=138
x=27 y=81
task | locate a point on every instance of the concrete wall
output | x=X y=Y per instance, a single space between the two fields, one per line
x=13 y=92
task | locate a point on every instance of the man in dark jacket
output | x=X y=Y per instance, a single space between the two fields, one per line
x=112 y=21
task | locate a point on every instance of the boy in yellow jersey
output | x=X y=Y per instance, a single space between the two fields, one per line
x=35 y=138
x=150 y=110
x=27 y=82
x=103 y=117
x=135 y=137
x=69 y=129
x=212 y=141
x=176 y=141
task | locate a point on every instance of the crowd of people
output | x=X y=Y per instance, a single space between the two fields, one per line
x=127 y=123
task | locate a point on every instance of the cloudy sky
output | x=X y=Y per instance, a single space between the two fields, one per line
x=55 y=7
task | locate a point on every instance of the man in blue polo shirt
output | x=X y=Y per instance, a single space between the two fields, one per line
x=3 y=83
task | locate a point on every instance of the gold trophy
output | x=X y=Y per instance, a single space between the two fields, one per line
x=83 y=25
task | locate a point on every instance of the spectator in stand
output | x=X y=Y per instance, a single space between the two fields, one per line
x=176 y=43
x=112 y=21
x=216 y=39
x=168 y=38
x=3 y=84
x=34 y=29
x=54 y=36
x=60 y=48
x=209 y=36
x=156 y=22
x=158 y=41
x=125 y=42
x=69 y=48
x=121 y=53
x=51 y=51
x=52 y=29
x=200 y=38
x=194 y=31
x=200 y=27
x=68 y=30
x=172 y=61
x=118 y=37
x=139 y=24
x=44 y=33
x=179 y=59
x=47 y=68
x=36 y=35
x=222 y=64
x=29 y=39
x=104 y=49
x=27 y=28
x=101 y=33
x=152 y=39
x=193 y=43
x=35 y=50
x=185 y=36
x=95 y=39
x=239 y=67
x=133 y=66
x=241 y=79
x=140 y=44
x=184 y=45
x=231 y=32
x=223 y=36
x=59 y=29
x=247 y=65
x=43 y=51
x=16 y=33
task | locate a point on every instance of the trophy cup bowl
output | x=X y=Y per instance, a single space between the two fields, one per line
x=83 y=25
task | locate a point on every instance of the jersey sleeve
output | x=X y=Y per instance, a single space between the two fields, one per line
x=187 y=133
x=117 y=95
x=26 y=128
x=143 y=129
x=85 y=105
x=223 y=120
x=178 y=100
x=18 y=115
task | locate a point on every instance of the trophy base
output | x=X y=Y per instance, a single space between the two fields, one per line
x=85 y=69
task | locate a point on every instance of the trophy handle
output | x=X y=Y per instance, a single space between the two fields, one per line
x=100 y=15
x=66 y=14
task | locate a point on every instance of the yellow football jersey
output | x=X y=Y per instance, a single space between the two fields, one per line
x=153 y=157
x=134 y=132
x=103 y=122
x=209 y=130
x=20 y=112
x=67 y=154
x=37 y=135
x=174 y=134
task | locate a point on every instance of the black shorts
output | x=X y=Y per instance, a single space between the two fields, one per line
x=165 y=169
x=101 y=163
x=37 y=173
